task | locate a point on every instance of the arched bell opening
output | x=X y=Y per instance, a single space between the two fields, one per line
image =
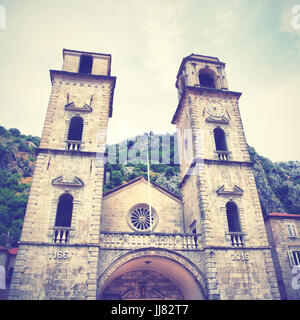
x=207 y=78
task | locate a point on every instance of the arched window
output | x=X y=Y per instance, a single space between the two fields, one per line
x=233 y=217
x=207 y=78
x=220 y=141
x=75 y=129
x=64 y=211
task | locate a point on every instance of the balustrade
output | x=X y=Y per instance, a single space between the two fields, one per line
x=223 y=155
x=237 y=239
x=61 y=235
x=129 y=240
x=73 y=144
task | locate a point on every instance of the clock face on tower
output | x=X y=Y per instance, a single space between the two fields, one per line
x=215 y=109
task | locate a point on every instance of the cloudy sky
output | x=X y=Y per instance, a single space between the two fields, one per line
x=259 y=40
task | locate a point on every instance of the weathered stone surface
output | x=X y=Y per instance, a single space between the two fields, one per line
x=193 y=254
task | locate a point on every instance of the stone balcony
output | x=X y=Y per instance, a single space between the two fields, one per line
x=61 y=234
x=133 y=240
x=223 y=154
x=237 y=239
x=73 y=144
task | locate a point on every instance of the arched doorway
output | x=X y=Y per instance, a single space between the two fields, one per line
x=142 y=284
x=152 y=274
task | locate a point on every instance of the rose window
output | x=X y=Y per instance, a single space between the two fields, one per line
x=139 y=218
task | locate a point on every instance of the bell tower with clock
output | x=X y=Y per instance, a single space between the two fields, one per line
x=219 y=195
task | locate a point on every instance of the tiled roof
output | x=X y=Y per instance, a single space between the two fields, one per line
x=283 y=215
x=12 y=251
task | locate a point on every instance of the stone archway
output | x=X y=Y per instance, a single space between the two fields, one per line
x=184 y=277
x=141 y=284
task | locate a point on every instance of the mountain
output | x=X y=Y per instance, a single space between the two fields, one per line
x=278 y=183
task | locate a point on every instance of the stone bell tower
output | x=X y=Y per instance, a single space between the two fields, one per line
x=58 y=250
x=220 y=198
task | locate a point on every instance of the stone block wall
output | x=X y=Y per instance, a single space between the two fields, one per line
x=96 y=94
x=282 y=243
x=44 y=197
x=117 y=205
x=62 y=273
x=101 y=62
x=234 y=133
x=142 y=284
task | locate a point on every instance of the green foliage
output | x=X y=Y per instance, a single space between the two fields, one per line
x=3 y=132
x=108 y=186
x=158 y=167
x=4 y=156
x=35 y=140
x=116 y=178
x=13 y=167
x=23 y=147
x=142 y=167
x=136 y=172
x=169 y=172
x=280 y=179
x=14 y=132
x=12 y=206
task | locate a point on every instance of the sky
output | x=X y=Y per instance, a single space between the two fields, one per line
x=259 y=40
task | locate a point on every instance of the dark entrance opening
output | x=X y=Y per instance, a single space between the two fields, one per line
x=64 y=211
x=233 y=217
x=220 y=141
x=86 y=64
x=75 y=129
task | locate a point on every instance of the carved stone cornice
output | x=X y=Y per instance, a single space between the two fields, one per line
x=236 y=191
x=222 y=120
x=59 y=182
x=71 y=107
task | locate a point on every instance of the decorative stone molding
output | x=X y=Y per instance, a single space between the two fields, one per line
x=58 y=182
x=236 y=191
x=71 y=107
x=221 y=120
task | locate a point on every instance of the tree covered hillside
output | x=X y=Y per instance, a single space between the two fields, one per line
x=17 y=158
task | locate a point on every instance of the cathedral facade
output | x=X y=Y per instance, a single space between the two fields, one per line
x=80 y=243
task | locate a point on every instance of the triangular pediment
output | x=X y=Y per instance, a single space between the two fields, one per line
x=71 y=107
x=138 y=180
x=60 y=182
x=235 y=191
x=219 y=120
